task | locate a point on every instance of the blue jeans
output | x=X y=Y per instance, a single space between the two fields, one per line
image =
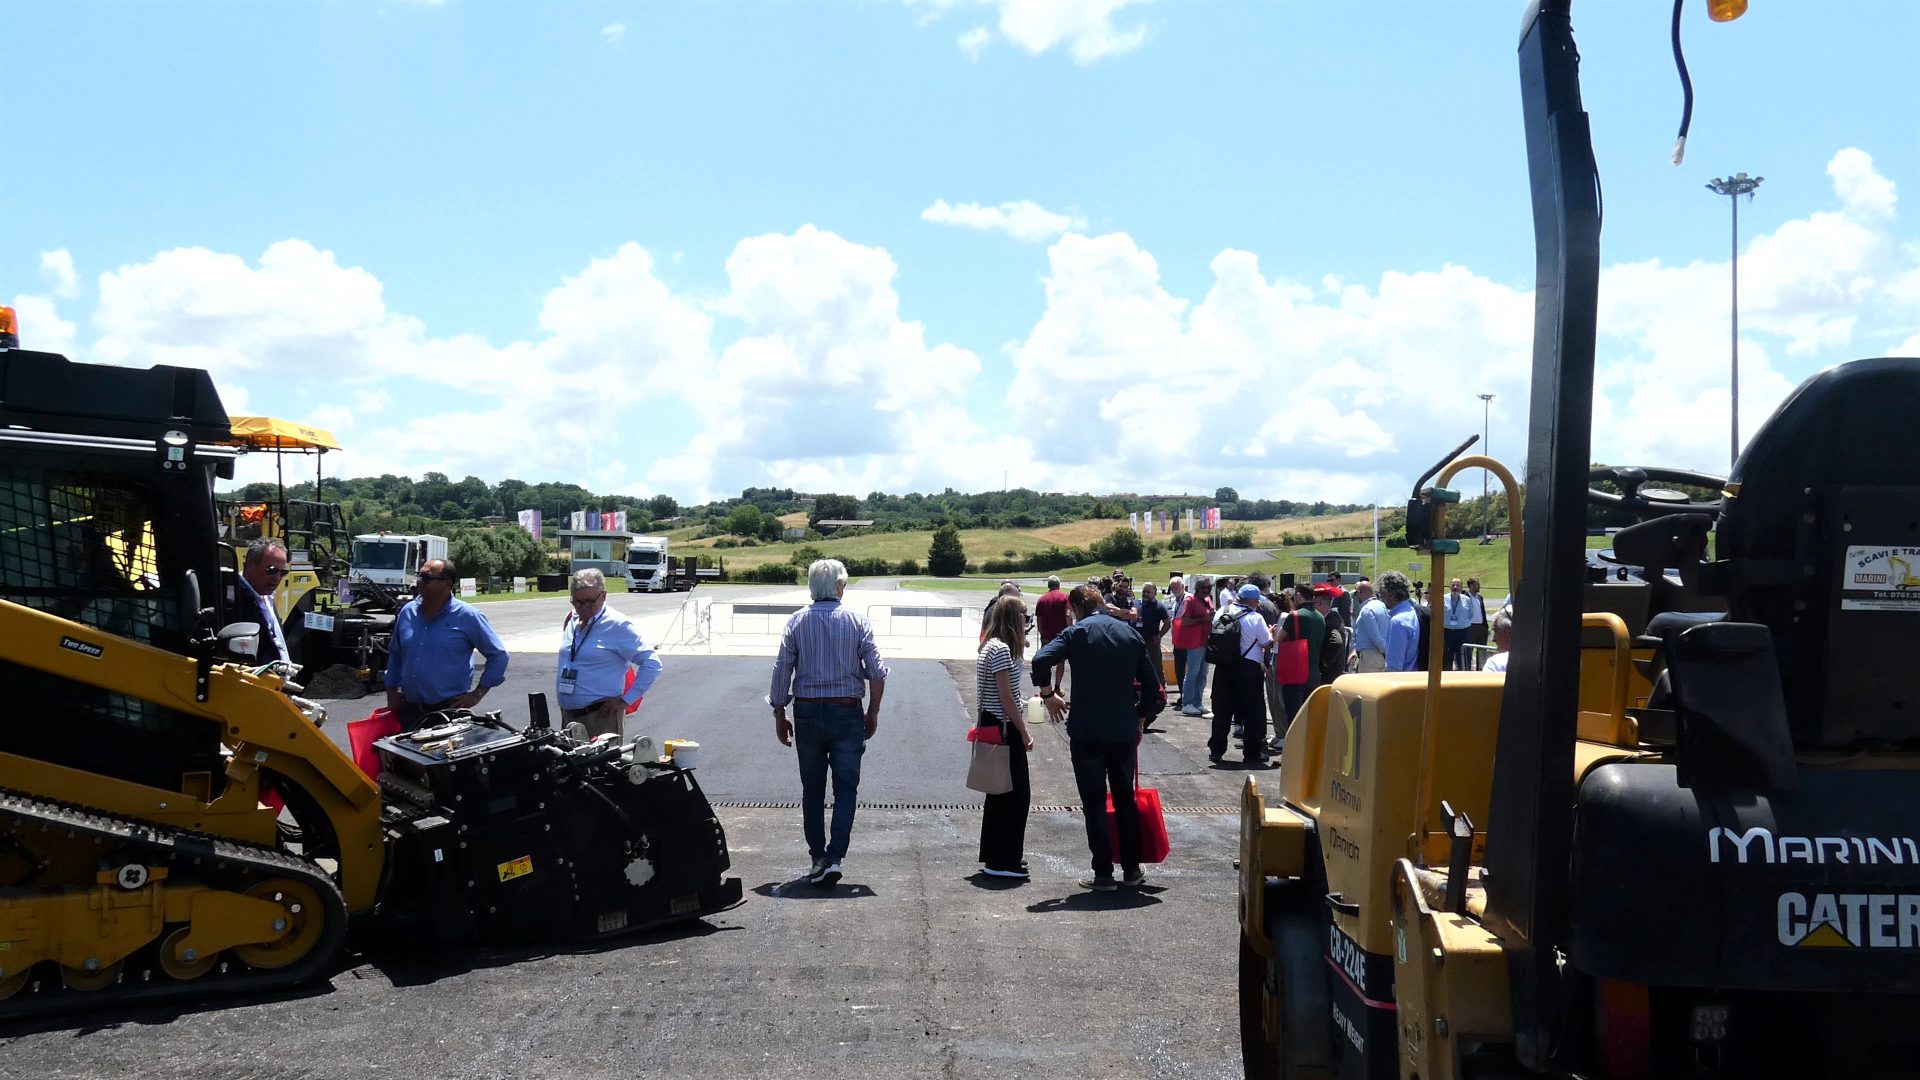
x=828 y=736
x=1194 y=686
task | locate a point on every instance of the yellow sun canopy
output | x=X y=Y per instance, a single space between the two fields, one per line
x=273 y=433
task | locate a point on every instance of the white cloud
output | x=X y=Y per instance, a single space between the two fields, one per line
x=1085 y=28
x=56 y=269
x=974 y=41
x=40 y=326
x=1023 y=220
x=806 y=372
x=613 y=33
x=1861 y=189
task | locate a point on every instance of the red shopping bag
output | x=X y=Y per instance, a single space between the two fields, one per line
x=1290 y=663
x=1154 y=845
x=362 y=734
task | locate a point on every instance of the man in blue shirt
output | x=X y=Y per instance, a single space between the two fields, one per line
x=598 y=647
x=1403 y=622
x=430 y=659
x=1370 y=629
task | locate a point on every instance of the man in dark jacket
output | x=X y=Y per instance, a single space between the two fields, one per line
x=1107 y=661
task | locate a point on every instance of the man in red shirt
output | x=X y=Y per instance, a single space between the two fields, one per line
x=1052 y=614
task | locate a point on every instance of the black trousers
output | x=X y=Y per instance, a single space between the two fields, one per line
x=1240 y=696
x=411 y=713
x=1100 y=768
x=1003 y=819
x=1454 y=642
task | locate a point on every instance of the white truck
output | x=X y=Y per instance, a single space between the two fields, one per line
x=648 y=569
x=393 y=559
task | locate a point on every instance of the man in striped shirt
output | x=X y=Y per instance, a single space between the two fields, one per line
x=827 y=658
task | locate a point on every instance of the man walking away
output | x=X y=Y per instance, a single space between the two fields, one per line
x=827 y=658
x=1238 y=693
x=1108 y=660
x=430 y=657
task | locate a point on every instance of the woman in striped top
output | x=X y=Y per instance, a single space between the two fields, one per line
x=999 y=689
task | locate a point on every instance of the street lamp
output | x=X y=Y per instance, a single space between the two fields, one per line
x=1486 y=447
x=1733 y=187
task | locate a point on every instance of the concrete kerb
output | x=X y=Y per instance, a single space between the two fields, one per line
x=908 y=625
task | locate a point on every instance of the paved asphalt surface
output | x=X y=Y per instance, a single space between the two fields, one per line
x=915 y=966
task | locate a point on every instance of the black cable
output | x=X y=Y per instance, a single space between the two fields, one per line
x=1686 y=87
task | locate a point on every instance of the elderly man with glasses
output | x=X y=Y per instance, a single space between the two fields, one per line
x=430 y=659
x=260 y=576
x=598 y=647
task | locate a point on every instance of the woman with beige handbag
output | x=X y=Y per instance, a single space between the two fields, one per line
x=1000 y=690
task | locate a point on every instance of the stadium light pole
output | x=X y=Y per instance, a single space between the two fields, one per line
x=1733 y=187
x=1486 y=448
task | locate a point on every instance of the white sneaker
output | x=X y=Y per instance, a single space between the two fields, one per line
x=1191 y=711
x=828 y=877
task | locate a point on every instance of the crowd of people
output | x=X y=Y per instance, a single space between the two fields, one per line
x=1269 y=647
x=1098 y=658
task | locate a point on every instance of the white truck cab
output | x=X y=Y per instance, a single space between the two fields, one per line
x=393 y=559
x=647 y=565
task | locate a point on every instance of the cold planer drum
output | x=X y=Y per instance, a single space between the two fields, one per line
x=533 y=835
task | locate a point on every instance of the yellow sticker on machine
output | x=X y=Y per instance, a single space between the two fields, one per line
x=519 y=867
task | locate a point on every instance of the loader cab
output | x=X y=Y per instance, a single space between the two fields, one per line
x=106 y=510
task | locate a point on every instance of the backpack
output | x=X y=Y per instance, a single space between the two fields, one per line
x=1223 y=637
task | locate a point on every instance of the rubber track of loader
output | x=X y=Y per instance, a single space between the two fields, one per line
x=179 y=850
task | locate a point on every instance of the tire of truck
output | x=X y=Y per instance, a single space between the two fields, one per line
x=1296 y=981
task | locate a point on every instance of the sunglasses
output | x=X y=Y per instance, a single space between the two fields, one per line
x=589 y=601
x=277 y=571
x=436 y=577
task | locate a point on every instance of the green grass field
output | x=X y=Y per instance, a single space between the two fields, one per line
x=1486 y=562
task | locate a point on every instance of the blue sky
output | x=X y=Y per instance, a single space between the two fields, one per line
x=1088 y=244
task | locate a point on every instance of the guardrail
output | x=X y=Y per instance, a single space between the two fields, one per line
x=902 y=621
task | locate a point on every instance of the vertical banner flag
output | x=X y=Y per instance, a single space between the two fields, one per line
x=530 y=521
x=593 y=520
x=1133 y=521
x=578 y=520
x=614 y=521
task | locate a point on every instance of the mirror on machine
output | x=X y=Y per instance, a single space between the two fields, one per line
x=240 y=639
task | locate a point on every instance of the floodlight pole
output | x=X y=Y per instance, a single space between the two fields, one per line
x=1733 y=187
x=1486 y=447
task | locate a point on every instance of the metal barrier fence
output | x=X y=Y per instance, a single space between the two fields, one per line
x=891 y=621
x=1477 y=655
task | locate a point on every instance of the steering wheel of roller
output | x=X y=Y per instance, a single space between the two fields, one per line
x=1644 y=499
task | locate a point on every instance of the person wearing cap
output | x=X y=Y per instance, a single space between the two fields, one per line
x=1238 y=691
